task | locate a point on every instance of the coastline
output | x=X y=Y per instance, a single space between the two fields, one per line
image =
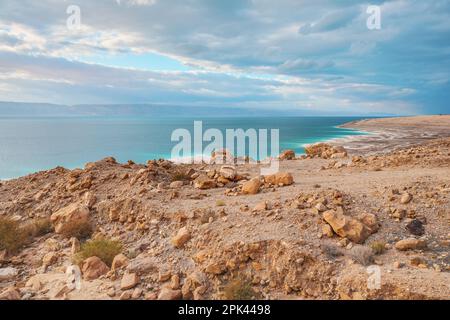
x=390 y=134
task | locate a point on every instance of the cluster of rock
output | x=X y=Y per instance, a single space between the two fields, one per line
x=325 y=151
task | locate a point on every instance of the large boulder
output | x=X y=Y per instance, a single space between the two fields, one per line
x=93 y=268
x=170 y=294
x=8 y=273
x=73 y=214
x=283 y=178
x=287 y=155
x=183 y=235
x=325 y=151
x=203 y=182
x=251 y=187
x=228 y=172
x=410 y=244
x=347 y=227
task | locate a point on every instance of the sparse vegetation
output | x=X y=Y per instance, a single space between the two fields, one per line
x=220 y=203
x=38 y=227
x=239 y=289
x=361 y=254
x=180 y=176
x=104 y=249
x=81 y=231
x=12 y=236
x=331 y=252
x=378 y=247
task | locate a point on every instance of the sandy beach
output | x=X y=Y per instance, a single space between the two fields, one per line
x=220 y=232
x=387 y=134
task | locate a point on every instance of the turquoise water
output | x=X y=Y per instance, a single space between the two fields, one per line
x=28 y=145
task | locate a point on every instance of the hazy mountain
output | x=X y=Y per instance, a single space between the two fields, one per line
x=22 y=109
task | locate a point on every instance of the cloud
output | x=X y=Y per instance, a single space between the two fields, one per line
x=289 y=52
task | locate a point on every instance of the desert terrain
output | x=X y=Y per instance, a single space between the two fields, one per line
x=365 y=218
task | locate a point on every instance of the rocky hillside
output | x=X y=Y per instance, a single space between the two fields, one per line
x=212 y=231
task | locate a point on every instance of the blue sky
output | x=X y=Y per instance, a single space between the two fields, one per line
x=287 y=54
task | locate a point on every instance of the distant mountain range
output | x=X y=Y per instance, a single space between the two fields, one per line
x=23 y=109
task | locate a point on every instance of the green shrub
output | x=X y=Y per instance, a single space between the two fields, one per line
x=220 y=203
x=238 y=289
x=104 y=249
x=378 y=247
x=12 y=236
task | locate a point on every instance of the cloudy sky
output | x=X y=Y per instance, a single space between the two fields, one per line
x=286 y=54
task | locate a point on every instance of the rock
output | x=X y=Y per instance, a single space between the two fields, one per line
x=169 y=294
x=203 y=183
x=321 y=207
x=142 y=265
x=347 y=227
x=221 y=156
x=66 y=217
x=370 y=221
x=327 y=231
x=410 y=244
x=262 y=206
x=34 y=283
x=183 y=235
x=175 y=282
x=325 y=151
x=164 y=275
x=406 y=198
x=10 y=294
x=251 y=187
x=287 y=155
x=417 y=261
x=192 y=282
x=228 y=172
x=119 y=261
x=126 y=295
x=93 y=268
x=7 y=274
x=399 y=214
x=415 y=227
x=137 y=292
x=75 y=245
x=283 y=178
x=2 y=256
x=176 y=184
x=49 y=259
x=215 y=268
x=129 y=281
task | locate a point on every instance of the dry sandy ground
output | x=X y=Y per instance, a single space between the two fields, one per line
x=388 y=134
x=281 y=249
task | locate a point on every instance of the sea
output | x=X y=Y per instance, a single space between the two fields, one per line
x=28 y=145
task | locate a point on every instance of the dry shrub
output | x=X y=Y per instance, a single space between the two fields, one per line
x=180 y=176
x=81 y=231
x=239 y=289
x=12 y=236
x=38 y=227
x=104 y=249
x=361 y=254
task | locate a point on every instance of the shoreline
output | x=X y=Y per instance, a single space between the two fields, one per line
x=380 y=136
x=390 y=134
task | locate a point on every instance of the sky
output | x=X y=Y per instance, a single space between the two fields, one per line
x=287 y=54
